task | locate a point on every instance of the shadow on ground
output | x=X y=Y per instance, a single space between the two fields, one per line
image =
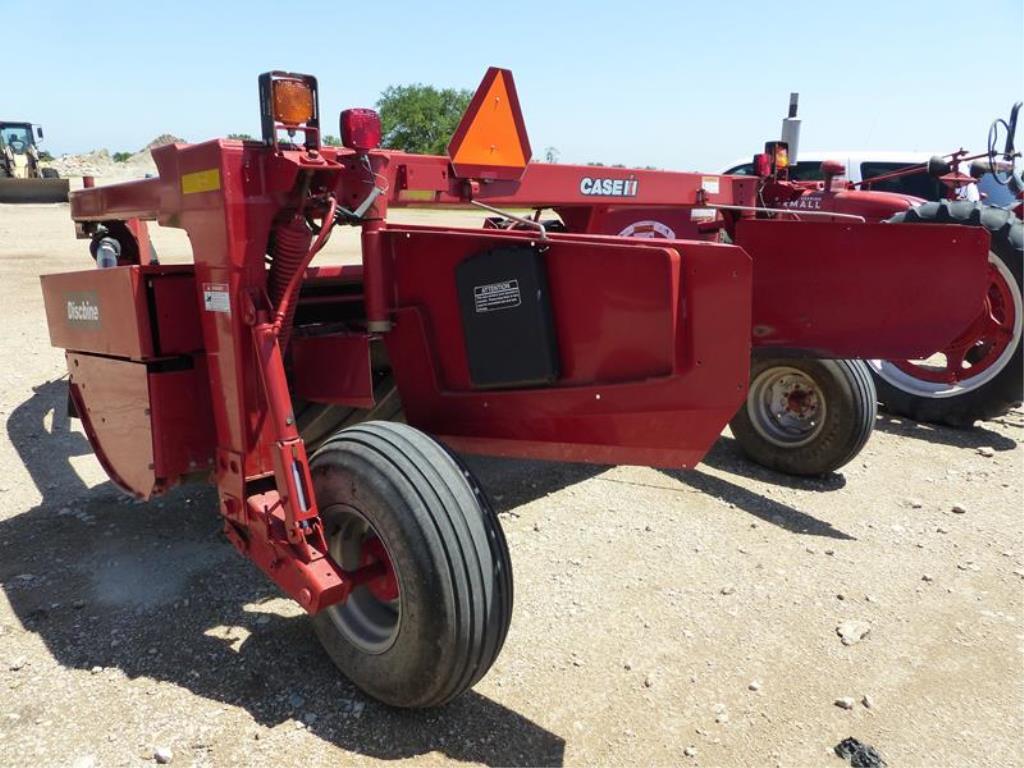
x=153 y=590
x=976 y=437
x=727 y=456
x=162 y=596
x=512 y=483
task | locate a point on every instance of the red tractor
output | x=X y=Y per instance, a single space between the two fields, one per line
x=979 y=374
x=325 y=402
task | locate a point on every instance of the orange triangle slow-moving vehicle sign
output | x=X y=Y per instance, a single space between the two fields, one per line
x=491 y=140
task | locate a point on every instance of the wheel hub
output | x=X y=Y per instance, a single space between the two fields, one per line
x=370 y=616
x=384 y=587
x=786 y=406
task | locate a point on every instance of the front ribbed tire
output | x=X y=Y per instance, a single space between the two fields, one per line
x=450 y=560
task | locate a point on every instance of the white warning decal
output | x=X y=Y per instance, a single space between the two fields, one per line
x=648 y=228
x=215 y=298
x=495 y=296
x=709 y=184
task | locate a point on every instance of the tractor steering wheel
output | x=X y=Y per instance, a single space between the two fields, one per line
x=1011 y=177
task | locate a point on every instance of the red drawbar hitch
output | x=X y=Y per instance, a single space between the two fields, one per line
x=282 y=530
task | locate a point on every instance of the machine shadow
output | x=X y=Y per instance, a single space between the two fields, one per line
x=154 y=591
x=977 y=436
x=726 y=455
x=765 y=509
x=523 y=481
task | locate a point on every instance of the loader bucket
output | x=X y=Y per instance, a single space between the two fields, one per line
x=34 y=190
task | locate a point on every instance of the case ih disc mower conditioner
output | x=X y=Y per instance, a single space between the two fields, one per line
x=517 y=343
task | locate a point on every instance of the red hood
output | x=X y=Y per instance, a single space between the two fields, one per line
x=873 y=206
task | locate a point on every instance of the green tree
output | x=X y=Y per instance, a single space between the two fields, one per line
x=240 y=136
x=420 y=118
x=331 y=141
x=121 y=157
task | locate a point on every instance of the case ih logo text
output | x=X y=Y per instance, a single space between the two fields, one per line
x=609 y=187
x=83 y=308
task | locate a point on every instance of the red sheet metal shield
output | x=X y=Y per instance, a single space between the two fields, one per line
x=491 y=140
x=864 y=290
x=653 y=344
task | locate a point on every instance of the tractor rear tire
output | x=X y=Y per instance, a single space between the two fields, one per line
x=932 y=394
x=806 y=417
x=435 y=626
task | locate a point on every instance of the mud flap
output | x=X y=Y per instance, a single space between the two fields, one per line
x=651 y=345
x=863 y=290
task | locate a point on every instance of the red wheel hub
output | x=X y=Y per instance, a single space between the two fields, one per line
x=383 y=585
x=801 y=402
x=978 y=347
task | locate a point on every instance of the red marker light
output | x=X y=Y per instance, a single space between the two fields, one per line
x=762 y=166
x=360 y=129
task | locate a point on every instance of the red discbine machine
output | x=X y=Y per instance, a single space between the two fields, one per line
x=570 y=347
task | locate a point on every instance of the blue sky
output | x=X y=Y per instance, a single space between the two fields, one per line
x=688 y=86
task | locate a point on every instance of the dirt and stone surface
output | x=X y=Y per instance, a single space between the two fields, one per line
x=720 y=616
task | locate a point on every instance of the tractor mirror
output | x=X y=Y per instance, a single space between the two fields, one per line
x=39 y=132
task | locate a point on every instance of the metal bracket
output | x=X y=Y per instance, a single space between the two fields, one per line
x=528 y=222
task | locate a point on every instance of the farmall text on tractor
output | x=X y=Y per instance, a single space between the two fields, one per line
x=307 y=394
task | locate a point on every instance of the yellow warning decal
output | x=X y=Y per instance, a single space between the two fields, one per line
x=200 y=181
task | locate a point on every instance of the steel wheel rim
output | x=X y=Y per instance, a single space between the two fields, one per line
x=364 y=619
x=786 y=407
x=1004 y=304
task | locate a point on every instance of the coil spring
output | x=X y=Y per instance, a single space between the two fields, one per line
x=292 y=242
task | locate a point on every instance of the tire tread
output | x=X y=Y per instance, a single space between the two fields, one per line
x=1004 y=392
x=474 y=551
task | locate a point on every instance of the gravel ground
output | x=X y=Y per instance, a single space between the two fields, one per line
x=720 y=616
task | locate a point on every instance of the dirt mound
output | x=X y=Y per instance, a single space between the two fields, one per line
x=100 y=164
x=161 y=140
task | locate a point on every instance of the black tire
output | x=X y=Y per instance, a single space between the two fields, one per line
x=1001 y=386
x=49 y=173
x=830 y=422
x=454 y=574
x=318 y=421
